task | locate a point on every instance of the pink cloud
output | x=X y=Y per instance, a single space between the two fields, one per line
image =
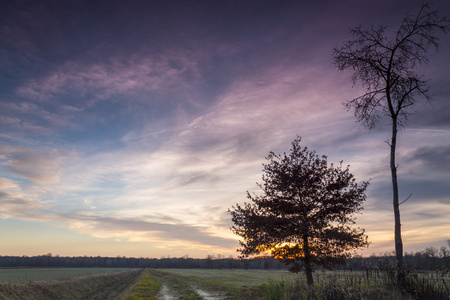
x=113 y=77
x=25 y=118
x=37 y=167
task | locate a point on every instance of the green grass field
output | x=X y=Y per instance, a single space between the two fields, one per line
x=23 y=275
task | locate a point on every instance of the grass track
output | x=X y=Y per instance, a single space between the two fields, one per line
x=159 y=284
x=147 y=287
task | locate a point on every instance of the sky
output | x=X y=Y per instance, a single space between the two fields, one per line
x=131 y=127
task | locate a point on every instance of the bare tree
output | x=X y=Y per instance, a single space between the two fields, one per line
x=386 y=67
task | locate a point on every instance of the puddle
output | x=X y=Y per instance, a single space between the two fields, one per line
x=209 y=295
x=166 y=294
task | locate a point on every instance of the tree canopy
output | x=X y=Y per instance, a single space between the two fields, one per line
x=304 y=215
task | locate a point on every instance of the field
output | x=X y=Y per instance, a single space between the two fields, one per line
x=23 y=275
x=238 y=278
x=278 y=285
x=209 y=284
x=213 y=284
x=69 y=283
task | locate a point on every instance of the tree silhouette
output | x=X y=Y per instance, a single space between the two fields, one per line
x=304 y=216
x=386 y=67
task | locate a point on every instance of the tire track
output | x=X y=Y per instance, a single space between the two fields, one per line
x=178 y=287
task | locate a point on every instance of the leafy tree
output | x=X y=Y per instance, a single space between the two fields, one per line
x=386 y=67
x=304 y=214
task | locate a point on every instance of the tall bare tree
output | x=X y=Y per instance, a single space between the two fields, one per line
x=386 y=66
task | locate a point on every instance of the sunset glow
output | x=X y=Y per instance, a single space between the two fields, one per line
x=130 y=127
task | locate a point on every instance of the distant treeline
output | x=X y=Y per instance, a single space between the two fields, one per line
x=211 y=262
x=429 y=259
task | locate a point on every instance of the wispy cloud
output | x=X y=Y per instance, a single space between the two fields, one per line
x=15 y=203
x=113 y=77
x=149 y=133
x=37 y=167
x=156 y=229
x=23 y=118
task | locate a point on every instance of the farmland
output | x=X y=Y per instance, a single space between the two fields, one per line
x=276 y=285
x=67 y=283
x=23 y=275
x=209 y=284
x=260 y=284
x=213 y=284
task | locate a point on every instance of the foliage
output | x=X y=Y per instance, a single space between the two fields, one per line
x=303 y=217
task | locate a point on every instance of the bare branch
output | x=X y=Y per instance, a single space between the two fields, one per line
x=386 y=68
x=405 y=199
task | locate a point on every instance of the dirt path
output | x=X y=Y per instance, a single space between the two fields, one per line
x=208 y=295
x=167 y=293
x=176 y=287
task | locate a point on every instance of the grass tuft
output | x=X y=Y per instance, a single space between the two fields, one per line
x=147 y=288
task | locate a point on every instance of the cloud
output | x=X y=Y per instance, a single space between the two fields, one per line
x=109 y=195
x=19 y=42
x=16 y=204
x=23 y=118
x=7 y=184
x=432 y=159
x=425 y=223
x=151 y=133
x=88 y=203
x=158 y=231
x=423 y=160
x=112 y=77
x=132 y=224
x=37 y=167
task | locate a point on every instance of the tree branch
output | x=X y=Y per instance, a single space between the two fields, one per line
x=405 y=199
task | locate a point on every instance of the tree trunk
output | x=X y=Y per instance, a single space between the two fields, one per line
x=307 y=261
x=397 y=230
